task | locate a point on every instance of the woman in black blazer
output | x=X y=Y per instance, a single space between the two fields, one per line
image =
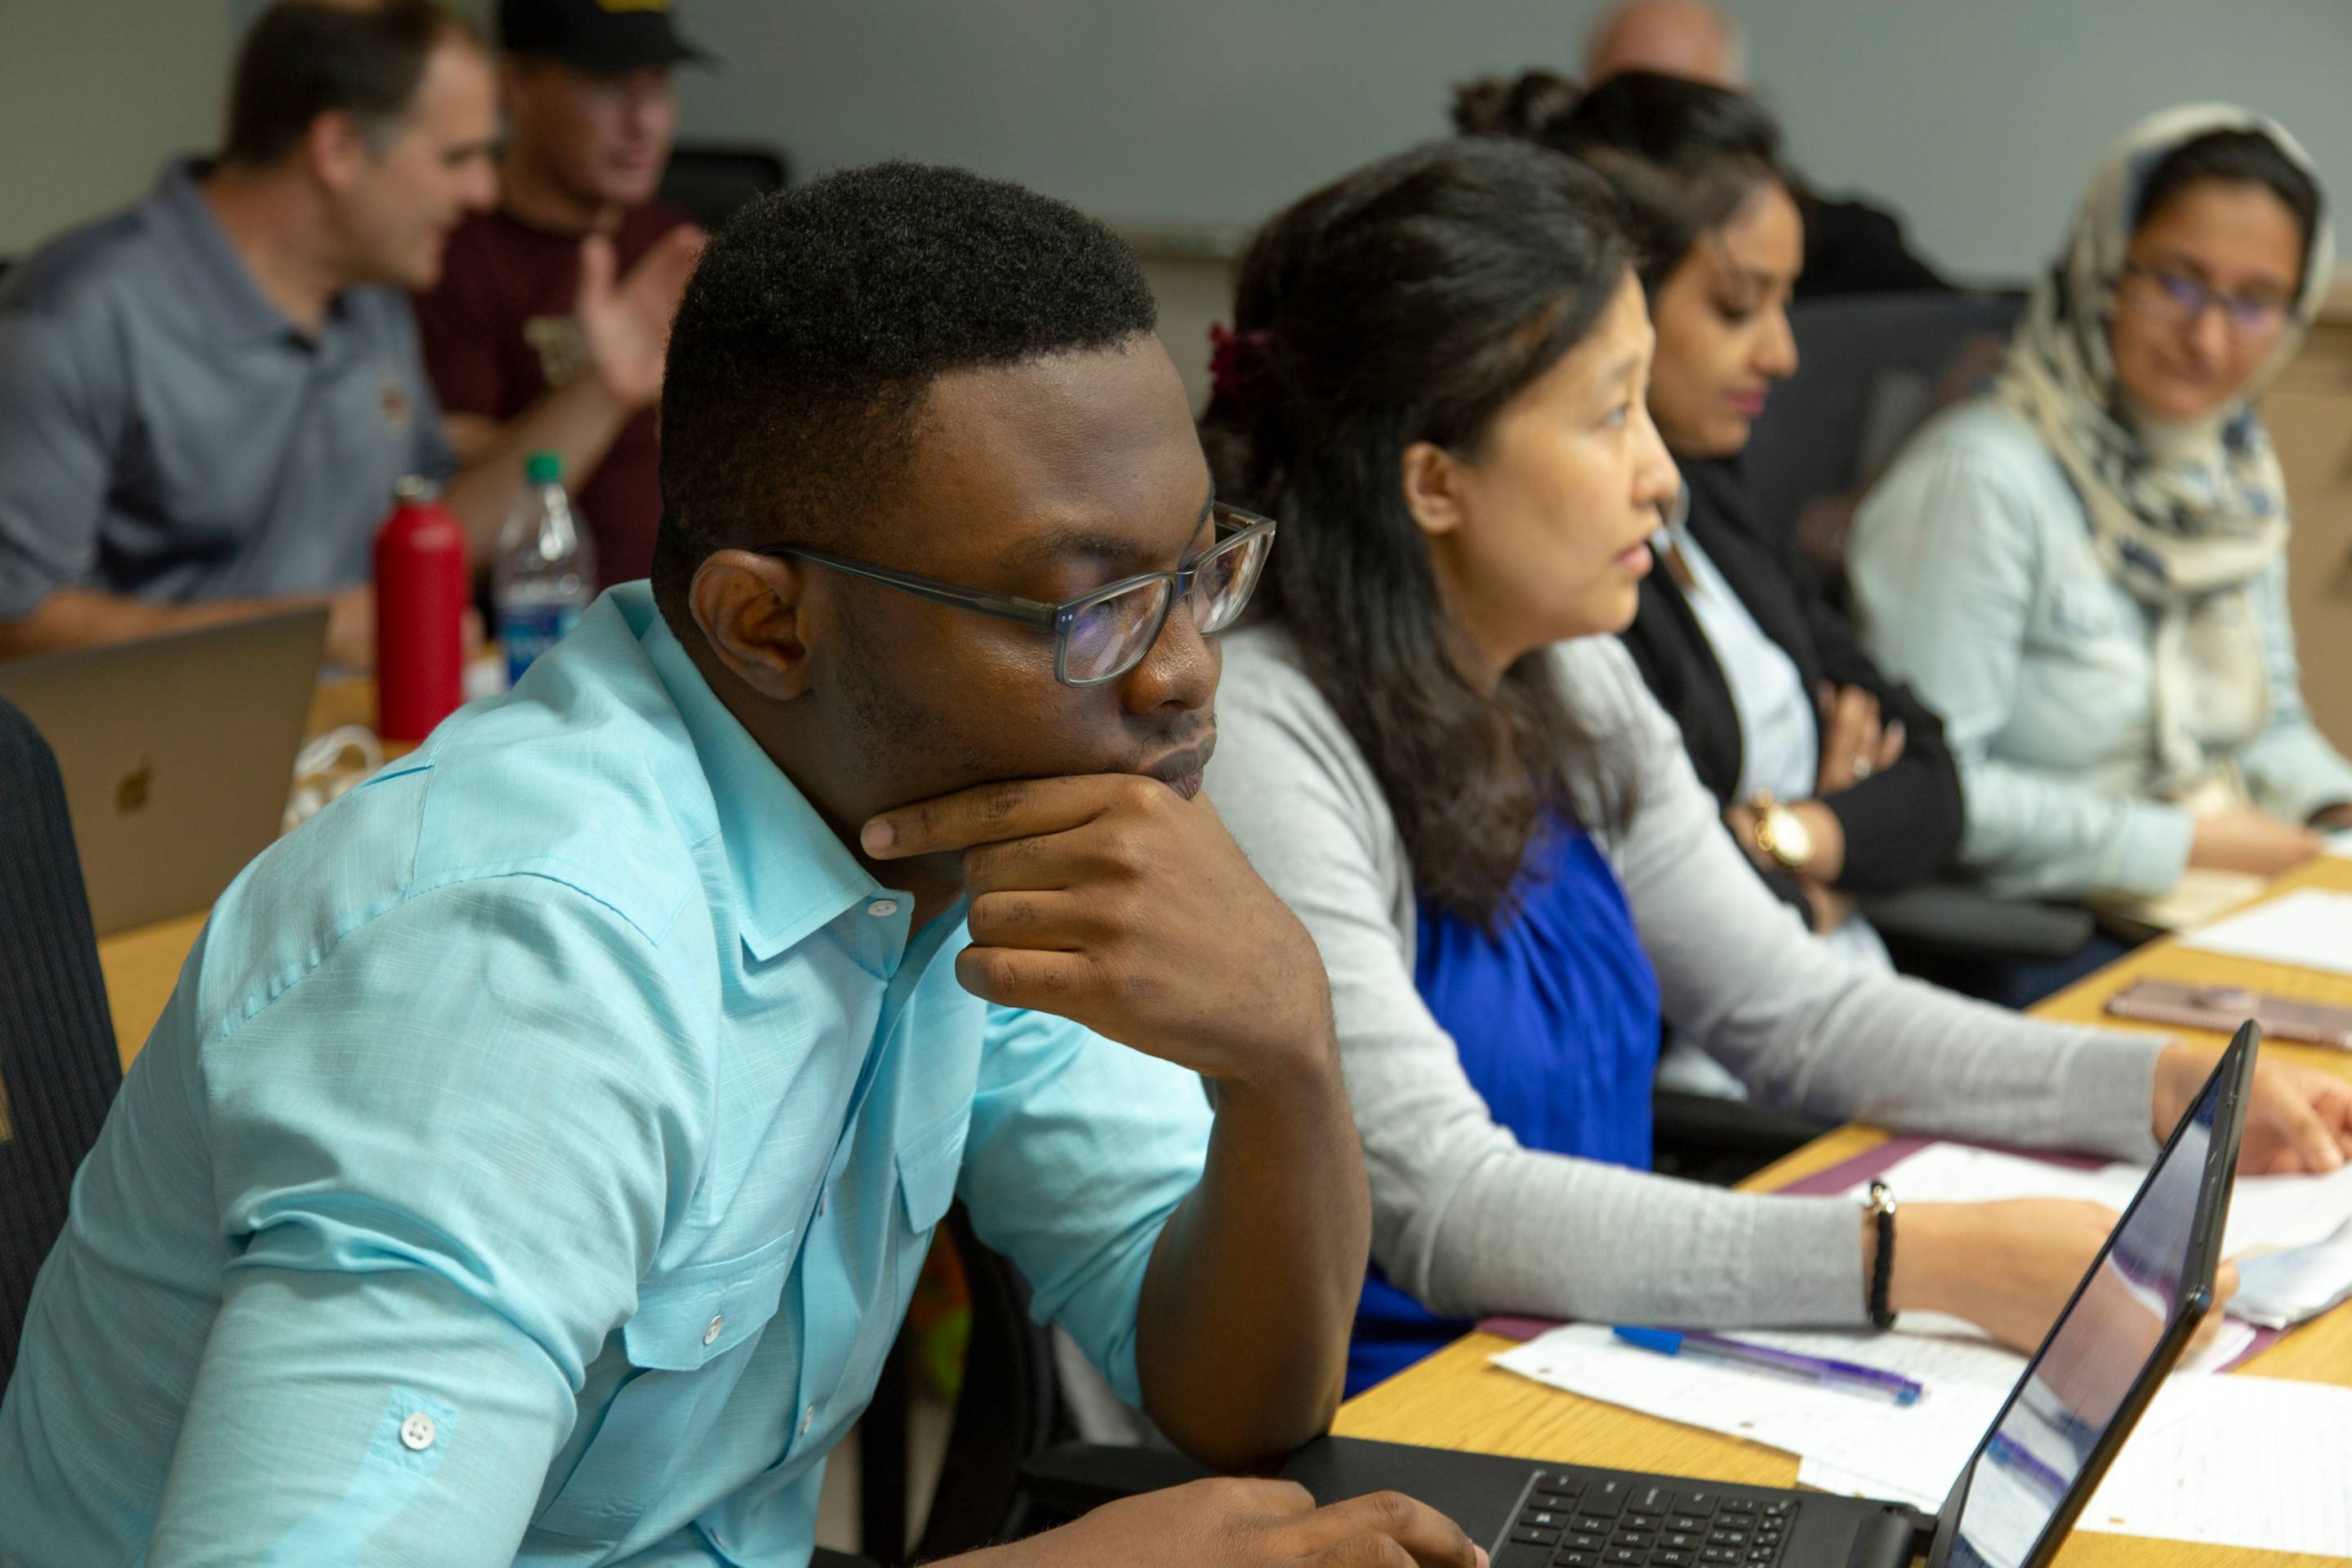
x=1836 y=779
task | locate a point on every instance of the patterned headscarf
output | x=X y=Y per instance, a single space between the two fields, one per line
x=2185 y=515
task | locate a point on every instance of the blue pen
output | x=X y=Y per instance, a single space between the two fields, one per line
x=1851 y=1376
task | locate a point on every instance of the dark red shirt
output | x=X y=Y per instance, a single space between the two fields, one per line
x=499 y=334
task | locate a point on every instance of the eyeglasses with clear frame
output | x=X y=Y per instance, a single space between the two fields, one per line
x=2168 y=296
x=1101 y=636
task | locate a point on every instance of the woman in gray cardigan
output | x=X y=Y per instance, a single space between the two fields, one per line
x=1436 y=755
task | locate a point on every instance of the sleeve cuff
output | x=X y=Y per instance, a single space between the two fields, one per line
x=1808 y=1261
x=2152 y=851
x=2107 y=1096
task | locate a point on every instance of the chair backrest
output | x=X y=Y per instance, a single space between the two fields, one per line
x=711 y=182
x=1870 y=370
x=1007 y=1414
x=59 y=1069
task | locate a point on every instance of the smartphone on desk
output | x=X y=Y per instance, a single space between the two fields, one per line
x=2223 y=1008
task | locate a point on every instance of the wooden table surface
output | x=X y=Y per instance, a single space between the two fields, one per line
x=1456 y=1399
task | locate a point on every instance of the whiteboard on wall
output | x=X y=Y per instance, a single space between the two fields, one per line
x=1197 y=118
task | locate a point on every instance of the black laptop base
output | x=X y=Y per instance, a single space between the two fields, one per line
x=1573 y=1516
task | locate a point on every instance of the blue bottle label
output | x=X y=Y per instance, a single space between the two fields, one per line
x=528 y=630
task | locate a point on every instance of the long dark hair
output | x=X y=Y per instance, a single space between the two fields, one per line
x=1683 y=156
x=1406 y=302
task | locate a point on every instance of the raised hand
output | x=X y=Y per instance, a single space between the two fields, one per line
x=626 y=325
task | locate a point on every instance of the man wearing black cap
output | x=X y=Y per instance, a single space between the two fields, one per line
x=540 y=298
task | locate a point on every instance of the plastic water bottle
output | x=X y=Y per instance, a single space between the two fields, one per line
x=545 y=573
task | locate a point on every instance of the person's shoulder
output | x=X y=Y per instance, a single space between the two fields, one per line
x=578 y=791
x=102 y=267
x=1274 y=720
x=1601 y=685
x=1984 y=449
x=1983 y=433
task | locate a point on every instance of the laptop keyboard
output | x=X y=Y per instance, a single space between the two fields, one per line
x=1578 y=1521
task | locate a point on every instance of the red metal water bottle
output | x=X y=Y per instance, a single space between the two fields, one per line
x=422 y=589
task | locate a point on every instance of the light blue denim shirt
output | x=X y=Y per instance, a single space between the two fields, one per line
x=1975 y=580
x=536 y=1159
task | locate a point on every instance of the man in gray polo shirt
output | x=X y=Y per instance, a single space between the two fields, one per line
x=206 y=401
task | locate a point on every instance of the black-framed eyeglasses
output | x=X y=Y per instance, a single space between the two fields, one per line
x=2170 y=296
x=1101 y=636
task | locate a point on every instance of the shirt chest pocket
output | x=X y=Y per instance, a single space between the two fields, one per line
x=928 y=1164
x=693 y=1332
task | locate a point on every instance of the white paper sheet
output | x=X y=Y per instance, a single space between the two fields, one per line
x=1908 y=1452
x=2309 y=927
x=2266 y=1213
x=2236 y=1461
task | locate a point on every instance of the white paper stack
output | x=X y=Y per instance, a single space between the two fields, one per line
x=2308 y=929
x=2291 y=1236
x=1867 y=1447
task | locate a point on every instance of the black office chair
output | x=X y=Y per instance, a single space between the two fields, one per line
x=58 y=1070
x=1870 y=370
x=1007 y=1415
x=710 y=182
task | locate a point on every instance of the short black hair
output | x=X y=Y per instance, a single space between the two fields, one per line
x=1683 y=156
x=815 y=323
x=307 y=58
x=2236 y=158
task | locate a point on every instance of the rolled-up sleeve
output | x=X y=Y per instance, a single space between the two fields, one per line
x=444 y=1156
x=1079 y=1152
x=59 y=424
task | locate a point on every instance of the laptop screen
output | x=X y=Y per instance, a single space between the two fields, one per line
x=2019 y=1481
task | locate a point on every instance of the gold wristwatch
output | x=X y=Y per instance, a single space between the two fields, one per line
x=1781 y=833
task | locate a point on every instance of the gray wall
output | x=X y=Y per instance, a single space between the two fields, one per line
x=1978 y=117
x=94 y=94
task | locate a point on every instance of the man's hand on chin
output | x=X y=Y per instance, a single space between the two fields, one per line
x=1115 y=900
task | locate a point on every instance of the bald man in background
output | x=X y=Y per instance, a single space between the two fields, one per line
x=1851 y=246
x=1674 y=37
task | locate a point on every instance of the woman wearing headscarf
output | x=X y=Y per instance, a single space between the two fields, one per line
x=2085 y=572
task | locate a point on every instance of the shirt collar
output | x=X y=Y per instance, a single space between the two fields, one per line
x=791 y=873
x=232 y=303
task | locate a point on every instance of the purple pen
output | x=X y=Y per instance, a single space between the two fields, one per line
x=1851 y=1376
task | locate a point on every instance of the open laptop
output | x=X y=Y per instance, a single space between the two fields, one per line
x=177 y=753
x=2016 y=1499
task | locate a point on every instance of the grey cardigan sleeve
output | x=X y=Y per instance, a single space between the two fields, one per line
x=1464 y=1217
x=1804 y=1028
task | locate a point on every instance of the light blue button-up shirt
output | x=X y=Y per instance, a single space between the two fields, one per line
x=535 y=1162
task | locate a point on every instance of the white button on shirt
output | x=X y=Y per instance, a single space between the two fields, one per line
x=417 y=1432
x=808 y=1419
x=883 y=909
x=711 y=1332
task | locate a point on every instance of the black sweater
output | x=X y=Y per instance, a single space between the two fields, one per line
x=1901 y=825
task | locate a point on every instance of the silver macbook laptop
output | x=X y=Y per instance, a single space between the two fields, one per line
x=177 y=753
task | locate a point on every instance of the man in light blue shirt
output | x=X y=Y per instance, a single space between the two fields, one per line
x=535 y=1160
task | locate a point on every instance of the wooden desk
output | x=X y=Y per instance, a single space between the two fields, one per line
x=1456 y=1400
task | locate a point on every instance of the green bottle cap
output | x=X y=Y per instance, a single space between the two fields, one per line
x=542 y=467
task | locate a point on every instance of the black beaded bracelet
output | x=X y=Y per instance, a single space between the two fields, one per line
x=1882 y=1205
